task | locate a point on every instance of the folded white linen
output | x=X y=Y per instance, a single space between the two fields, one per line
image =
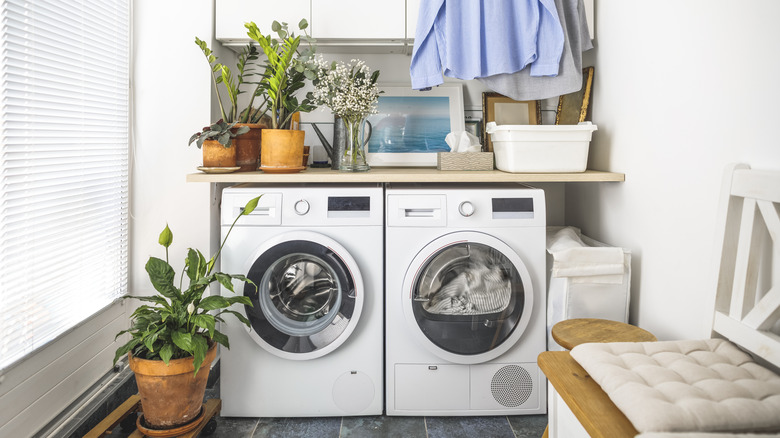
x=572 y=257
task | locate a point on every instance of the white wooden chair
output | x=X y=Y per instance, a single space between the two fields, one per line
x=746 y=310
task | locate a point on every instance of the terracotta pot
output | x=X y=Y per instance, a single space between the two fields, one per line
x=170 y=394
x=216 y=155
x=282 y=150
x=248 y=147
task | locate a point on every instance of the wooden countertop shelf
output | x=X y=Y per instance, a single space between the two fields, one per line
x=403 y=174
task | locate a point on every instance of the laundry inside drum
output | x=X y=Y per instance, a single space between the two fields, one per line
x=466 y=279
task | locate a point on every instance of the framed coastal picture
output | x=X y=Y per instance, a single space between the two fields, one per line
x=410 y=125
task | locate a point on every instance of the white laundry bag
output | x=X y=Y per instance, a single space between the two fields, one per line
x=586 y=279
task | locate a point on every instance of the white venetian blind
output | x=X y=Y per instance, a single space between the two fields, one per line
x=63 y=166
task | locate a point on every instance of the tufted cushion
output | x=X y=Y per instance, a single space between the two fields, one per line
x=682 y=386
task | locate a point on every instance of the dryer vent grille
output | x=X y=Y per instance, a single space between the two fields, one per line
x=511 y=386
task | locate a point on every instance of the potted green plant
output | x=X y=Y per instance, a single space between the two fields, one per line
x=218 y=143
x=286 y=71
x=173 y=336
x=222 y=78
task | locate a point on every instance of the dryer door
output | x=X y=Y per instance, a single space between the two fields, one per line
x=467 y=297
x=308 y=298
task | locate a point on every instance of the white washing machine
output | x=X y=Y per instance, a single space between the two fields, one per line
x=465 y=299
x=314 y=347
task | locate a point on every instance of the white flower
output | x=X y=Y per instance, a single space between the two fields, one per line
x=349 y=90
x=190 y=308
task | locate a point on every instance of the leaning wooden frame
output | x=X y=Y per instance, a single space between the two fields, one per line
x=507 y=111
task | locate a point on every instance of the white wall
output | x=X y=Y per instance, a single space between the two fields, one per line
x=681 y=89
x=172 y=93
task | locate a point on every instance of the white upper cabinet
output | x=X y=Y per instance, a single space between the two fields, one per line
x=358 y=19
x=351 y=26
x=232 y=14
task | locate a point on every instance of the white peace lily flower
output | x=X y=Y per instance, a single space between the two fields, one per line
x=190 y=308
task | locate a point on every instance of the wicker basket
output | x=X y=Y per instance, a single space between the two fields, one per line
x=464 y=161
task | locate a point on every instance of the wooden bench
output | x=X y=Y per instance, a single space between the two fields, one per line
x=742 y=313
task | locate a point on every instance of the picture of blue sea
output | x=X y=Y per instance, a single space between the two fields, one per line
x=410 y=124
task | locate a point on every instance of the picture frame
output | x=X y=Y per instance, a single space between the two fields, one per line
x=507 y=111
x=410 y=125
x=574 y=107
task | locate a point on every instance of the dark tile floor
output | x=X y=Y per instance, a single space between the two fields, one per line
x=520 y=426
x=383 y=427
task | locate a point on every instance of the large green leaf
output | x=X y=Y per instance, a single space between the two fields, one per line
x=154 y=299
x=225 y=281
x=242 y=277
x=192 y=264
x=240 y=300
x=162 y=275
x=213 y=302
x=183 y=340
x=166 y=352
x=205 y=321
x=221 y=338
x=123 y=350
x=150 y=340
x=200 y=346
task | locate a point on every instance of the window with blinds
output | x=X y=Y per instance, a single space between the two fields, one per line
x=64 y=138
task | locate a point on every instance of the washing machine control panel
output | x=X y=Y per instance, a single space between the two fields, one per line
x=301 y=207
x=466 y=208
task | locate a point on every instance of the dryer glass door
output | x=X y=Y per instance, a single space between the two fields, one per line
x=471 y=297
x=305 y=301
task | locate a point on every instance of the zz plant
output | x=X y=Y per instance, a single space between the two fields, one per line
x=286 y=71
x=177 y=322
x=223 y=75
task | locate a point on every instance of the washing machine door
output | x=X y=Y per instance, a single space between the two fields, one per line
x=468 y=297
x=308 y=298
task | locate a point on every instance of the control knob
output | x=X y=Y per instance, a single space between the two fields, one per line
x=466 y=208
x=301 y=207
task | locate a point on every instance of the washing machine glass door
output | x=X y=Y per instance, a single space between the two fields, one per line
x=308 y=296
x=468 y=297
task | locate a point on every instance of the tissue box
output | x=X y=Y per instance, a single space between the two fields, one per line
x=541 y=148
x=464 y=161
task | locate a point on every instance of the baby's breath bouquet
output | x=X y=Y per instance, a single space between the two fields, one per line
x=350 y=91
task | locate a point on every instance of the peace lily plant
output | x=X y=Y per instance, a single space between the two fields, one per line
x=180 y=322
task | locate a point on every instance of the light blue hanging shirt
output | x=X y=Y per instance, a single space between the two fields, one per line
x=477 y=38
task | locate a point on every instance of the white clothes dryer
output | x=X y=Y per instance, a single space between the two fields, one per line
x=314 y=347
x=465 y=299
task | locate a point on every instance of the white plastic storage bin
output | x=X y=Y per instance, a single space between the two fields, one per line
x=541 y=148
x=586 y=279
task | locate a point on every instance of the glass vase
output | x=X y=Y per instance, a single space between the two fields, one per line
x=354 y=157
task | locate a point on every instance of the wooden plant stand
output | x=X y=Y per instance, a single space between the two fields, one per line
x=124 y=417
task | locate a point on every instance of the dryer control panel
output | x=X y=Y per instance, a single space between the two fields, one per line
x=463 y=207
